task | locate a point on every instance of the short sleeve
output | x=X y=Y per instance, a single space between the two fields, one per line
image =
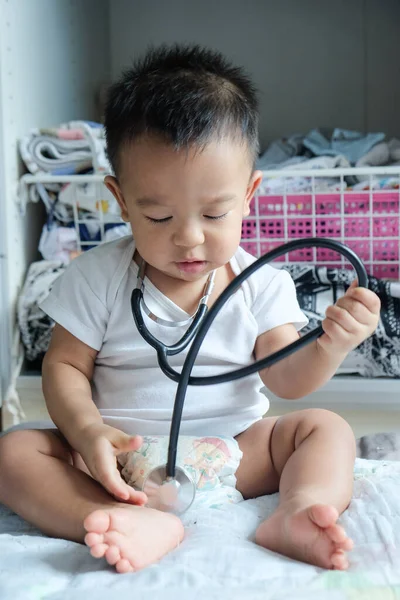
x=276 y=304
x=74 y=303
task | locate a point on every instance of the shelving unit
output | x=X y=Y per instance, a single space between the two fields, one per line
x=362 y=391
x=56 y=56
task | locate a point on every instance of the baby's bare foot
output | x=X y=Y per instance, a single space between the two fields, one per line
x=131 y=537
x=307 y=533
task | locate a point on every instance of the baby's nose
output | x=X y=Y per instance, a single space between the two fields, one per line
x=189 y=235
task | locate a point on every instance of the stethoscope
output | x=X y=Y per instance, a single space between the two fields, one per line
x=169 y=487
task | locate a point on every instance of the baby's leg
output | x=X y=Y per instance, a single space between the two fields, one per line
x=39 y=482
x=311 y=454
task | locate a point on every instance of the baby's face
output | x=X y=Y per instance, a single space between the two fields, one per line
x=185 y=208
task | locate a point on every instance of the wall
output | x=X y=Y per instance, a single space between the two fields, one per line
x=315 y=62
x=5 y=363
x=54 y=55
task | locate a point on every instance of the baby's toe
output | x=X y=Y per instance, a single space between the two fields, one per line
x=347 y=544
x=336 y=533
x=94 y=538
x=323 y=515
x=340 y=560
x=339 y=537
x=98 y=550
x=98 y=522
x=123 y=566
x=113 y=555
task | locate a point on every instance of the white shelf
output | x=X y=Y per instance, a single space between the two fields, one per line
x=365 y=393
x=46 y=178
x=22 y=196
x=349 y=393
x=394 y=171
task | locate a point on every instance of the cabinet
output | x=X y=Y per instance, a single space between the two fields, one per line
x=316 y=63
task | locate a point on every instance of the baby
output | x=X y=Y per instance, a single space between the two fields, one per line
x=182 y=140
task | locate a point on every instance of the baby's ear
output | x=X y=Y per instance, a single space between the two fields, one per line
x=253 y=185
x=246 y=208
x=113 y=186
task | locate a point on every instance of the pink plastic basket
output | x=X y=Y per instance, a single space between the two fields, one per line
x=368 y=222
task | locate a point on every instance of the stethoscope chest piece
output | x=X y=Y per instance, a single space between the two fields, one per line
x=169 y=494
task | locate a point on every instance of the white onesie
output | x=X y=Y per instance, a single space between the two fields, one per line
x=92 y=301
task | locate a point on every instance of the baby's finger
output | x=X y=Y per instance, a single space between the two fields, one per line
x=136 y=497
x=334 y=334
x=355 y=309
x=342 y=317
x=367 y=297
x=110 y=478
x=126 y=443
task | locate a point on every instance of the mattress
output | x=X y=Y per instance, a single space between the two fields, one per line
x=218 y=558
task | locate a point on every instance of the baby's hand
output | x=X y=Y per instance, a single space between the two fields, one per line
x=100 y=446
x=350 y=321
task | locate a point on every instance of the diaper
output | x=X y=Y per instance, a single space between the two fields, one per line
x=211 y=461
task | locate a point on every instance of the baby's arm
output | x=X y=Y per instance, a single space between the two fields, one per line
x=67 y=371
x=350 y=321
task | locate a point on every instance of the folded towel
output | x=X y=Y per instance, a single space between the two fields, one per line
x=72 y=148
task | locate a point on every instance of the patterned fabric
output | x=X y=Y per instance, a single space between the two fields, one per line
x=210 y=461
x=35 y=326
x=319 y=287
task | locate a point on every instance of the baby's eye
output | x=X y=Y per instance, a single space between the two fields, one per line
x=216 y=218
x=164 y=220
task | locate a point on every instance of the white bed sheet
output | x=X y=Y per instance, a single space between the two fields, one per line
x=218 y=558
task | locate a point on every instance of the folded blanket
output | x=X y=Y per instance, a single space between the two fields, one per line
x=299 y=184
x=74 y=147
x=385 y=153
x=351 y=144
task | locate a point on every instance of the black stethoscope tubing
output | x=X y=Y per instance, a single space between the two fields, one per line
x=202 y=322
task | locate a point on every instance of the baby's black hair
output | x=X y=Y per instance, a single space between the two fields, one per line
x=187 y=96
